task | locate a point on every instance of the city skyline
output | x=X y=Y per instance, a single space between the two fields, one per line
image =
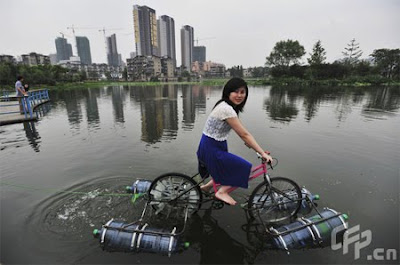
x=237 y=32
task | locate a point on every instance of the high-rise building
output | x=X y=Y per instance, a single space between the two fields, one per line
x=63 y=48
x=166 y=37
x=199 y=54
x=113 y=58
x=146 y=33
x=187 y=40
x=83 y=46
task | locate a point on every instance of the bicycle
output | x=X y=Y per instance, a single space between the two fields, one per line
x=274 y=200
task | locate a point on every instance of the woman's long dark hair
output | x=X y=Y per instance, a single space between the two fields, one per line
x=232 y=85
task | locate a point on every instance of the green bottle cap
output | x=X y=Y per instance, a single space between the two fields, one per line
x=316 y=197
x=186 y=244
x=128 y=188
x=95 y=232
x=345 y=216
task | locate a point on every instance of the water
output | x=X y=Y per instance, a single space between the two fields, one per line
x=65 y=175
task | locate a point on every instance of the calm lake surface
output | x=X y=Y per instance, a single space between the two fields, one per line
x=341 y=143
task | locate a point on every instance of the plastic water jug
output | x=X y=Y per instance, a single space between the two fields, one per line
x=307 y=202
x=139 y=186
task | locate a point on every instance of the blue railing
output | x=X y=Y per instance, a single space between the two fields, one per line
x=28 y=103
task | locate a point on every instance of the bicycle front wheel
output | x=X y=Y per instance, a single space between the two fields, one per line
x=276 y=202
x=174 y=193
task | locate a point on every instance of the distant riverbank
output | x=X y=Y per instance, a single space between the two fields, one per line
x=351 y=82
x=290 y=81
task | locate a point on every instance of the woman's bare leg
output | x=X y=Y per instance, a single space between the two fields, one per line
x=223 y=195
x=207 y=187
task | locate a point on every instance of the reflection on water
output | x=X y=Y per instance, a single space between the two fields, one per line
x=32 y=135
x=92 y=108
x=160 y=107
x=283 y=103
x=194 y=99
x=71 y=98
x=383 y=100
x=159 y=112
x=281 y=106
x=118 y=100
x=216 y=246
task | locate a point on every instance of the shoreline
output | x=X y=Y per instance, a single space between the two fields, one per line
x=222 y=81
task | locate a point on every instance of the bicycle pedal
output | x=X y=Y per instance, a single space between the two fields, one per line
x=208 y=194
x=218 y=204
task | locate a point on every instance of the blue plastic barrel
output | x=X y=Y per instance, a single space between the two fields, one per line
x=323 y=230
x=138 y=238
x=139 y=186
x=303 y=237
x=156 y=243
x=310 y=232
x=113 y=238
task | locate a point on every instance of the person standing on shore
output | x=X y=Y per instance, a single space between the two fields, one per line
x=20 y=90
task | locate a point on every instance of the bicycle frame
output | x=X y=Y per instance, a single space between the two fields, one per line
x=254 y=173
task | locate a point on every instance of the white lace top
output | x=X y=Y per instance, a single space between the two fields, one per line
x=216 y=126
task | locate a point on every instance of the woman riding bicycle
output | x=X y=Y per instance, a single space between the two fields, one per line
x=227 y=169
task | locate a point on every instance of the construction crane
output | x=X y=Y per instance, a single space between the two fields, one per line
x=104 y=33
x=73 y=32
x=63 y=34
x=84 y=28
x=197 y=40
x=76 y=43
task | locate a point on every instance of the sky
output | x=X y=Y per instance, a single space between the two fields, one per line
x=235 y=32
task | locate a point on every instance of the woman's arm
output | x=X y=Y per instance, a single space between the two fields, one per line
x=247 y=137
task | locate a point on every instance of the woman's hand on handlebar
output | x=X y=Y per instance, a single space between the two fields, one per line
x=265 y=157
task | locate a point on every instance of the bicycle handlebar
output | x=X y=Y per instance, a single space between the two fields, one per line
x=260 y=156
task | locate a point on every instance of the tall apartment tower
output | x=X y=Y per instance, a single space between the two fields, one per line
x=146 y=33
x=166 y=34
x=187 y=41
x=113 y=58
x=83 y=46
x=63 y=48
x=199 y=53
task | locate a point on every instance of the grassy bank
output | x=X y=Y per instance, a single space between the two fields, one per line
x=350 y=82
x=290 y=81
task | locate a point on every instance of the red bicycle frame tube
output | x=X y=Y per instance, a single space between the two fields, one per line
x=254 y=173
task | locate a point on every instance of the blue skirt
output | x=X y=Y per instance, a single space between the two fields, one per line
x=225 y=168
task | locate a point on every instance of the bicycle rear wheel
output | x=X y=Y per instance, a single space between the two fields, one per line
x=276 y=202
x=170 y=194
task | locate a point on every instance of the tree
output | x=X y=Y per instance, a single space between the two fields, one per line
x=285 y=53
x=236 y=71
x=352 y=52
x=125 y=74
x=8 y=73
x=318 y=56
x=388 y=62
x=259 y=71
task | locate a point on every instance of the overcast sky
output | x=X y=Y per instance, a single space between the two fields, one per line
x=235 y=32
